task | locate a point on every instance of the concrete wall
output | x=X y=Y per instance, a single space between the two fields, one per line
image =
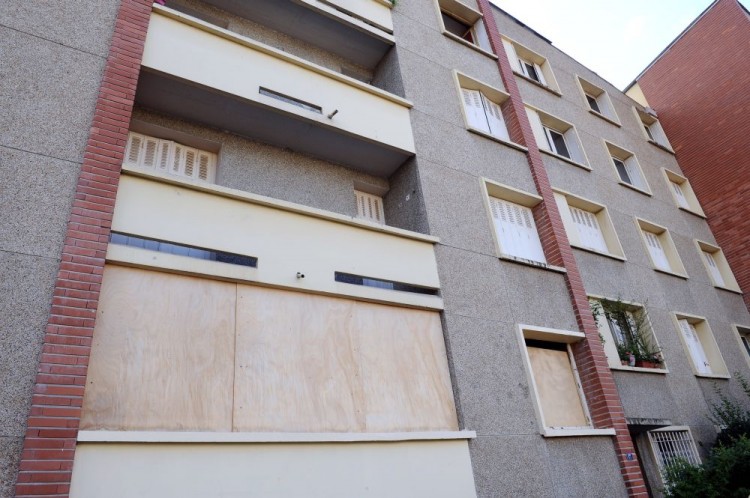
x=51 y=73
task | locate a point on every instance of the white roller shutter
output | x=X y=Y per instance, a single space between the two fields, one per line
x=495 y=119
x=588 y=229
x=695 y=347
x=713 y=269
x=475 y=110
x=512 y=56
x=656 y=250
x=516 y=230
x=538 y=129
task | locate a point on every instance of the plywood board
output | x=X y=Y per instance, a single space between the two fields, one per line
x=320 y=364
x=557 y=389
x=163 y=353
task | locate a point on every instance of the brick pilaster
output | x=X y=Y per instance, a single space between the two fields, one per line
x=596 y=377
x=52 y=427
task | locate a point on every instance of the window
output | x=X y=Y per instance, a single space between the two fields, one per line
x=379 y=283
x=743 y=334
x=170 y=157
x=652 y=130
x=628 y=170
x=464 y=24
x=717 y=266
x=682 y=193
x=588 y=225
x=627 y=331
x=369 y=207
x=483 y=114
x=700 y=346
x=556 y=137
x=672 y=444
x=530 y=65
x=598 y=101
x=661 y=248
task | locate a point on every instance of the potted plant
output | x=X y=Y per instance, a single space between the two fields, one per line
x=631 y=331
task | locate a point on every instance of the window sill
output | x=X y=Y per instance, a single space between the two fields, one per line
x=633 y=187
x=497 y=139
x=693 y=212
x=469 y=44
x=605 y=118
x=600 y=253
x=535 y=82
x=566 y=159
x=713 y=376
x=672 y=273
x=623 y=368
x=529 y=262
x=577 y=432
x=729 y=289
x=662 y=147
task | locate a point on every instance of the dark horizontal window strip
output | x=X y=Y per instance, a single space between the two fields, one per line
x=348 y=278
x=291 y=100
x=183 y=250
x=557 y=346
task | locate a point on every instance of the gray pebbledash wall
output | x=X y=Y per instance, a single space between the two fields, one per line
x=51 y=70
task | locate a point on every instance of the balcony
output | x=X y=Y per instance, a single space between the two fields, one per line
x=358 y=30
x=199 y=72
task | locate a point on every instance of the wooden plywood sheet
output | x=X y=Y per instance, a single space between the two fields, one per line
x=556 y=388
x=320 y=364
x=163 y=353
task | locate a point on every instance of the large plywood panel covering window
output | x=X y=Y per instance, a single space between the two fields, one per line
x=557 y=387
x=181 y=353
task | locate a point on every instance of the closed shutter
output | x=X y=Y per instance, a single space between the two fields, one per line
x=170 y=157
x=538 y=129
x=656 y=250
x=481 y=36
x=516 y=230
x=369 y=207
x=657 y=132
x=695 y=347
x=713 y=269
x=540 y=74
x=512 y=56
x=588 y=229
x=636 y=179
x=495 y=119
x=680 y=195
x=574 y=147
x=474 y=110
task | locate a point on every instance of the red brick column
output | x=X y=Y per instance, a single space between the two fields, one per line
x=596 y=377
x=52 y=429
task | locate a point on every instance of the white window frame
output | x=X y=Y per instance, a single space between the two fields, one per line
x=518 y=55
x=473 y=19
x=566 y=203
x=676 y=181
x=652 y=130
x=720 y=267
x=663 y=238
x=742 y=333
x=601 y=97
x=490 y=123
x=566 y=337
x=170 y=158
x=686 y=447
x=632 y=167
x=706 y=360
x=542 y=124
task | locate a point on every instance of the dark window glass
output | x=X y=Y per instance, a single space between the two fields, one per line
x=457 y=27
x=348 y=278
x=558 y=143
x=648 y=132
x=531 y=71
x=622 y=171
x=593 y=104
x=290 y=100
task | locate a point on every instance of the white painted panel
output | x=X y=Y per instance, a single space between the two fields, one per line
x=434 y=469
x=240 y=67
x=373 y=11
x=536 y=127
x=284 y=242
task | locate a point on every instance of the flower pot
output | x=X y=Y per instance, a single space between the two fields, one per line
x=646 y=364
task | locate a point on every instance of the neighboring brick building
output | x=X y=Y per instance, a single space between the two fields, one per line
x=700 y=88
x=341 y=248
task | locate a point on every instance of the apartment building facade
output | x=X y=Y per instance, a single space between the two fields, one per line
x=702 y=103
x=311 y=248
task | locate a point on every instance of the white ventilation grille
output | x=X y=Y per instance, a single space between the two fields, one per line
x=369 y=207
x=170 y=157
x=671 y=446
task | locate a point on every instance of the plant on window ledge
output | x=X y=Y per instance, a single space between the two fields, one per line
x=631 y=332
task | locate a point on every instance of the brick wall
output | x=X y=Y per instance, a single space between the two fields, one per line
x=49 y=446
x=596 y=377
x=701 y=90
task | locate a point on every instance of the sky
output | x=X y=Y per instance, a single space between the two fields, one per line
x=615 y=38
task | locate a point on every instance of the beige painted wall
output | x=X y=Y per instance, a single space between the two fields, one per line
x=284 y=242
x=351 y=470
x=172 y=352
x=239 y=66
